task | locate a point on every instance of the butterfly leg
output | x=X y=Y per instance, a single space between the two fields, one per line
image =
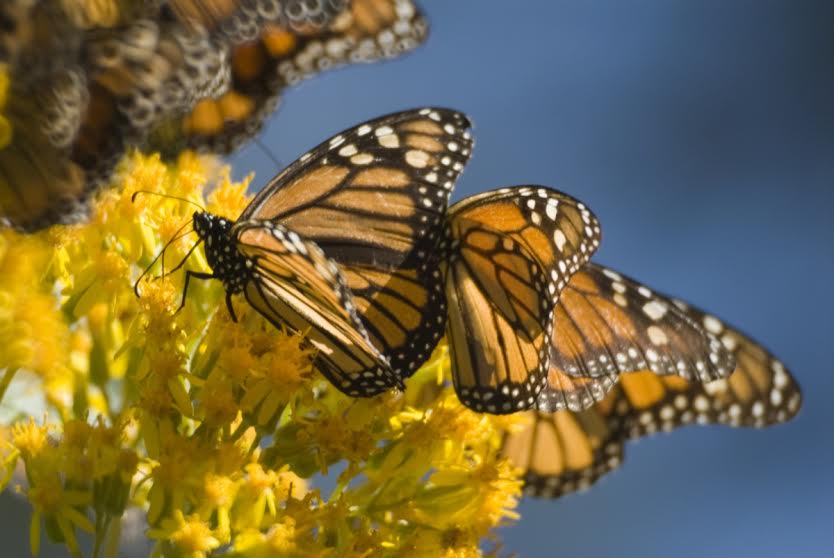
x=230 y=307
x=188 y=275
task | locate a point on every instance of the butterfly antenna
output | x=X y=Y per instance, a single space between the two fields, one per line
x=161 y=254
x=269 y=154
x=169 y=196
x=176 y=237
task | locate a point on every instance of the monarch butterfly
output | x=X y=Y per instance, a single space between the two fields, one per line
x=78 y=98
x=310 y=38
x=159 y=78
x=342 y=242
x=564 y=451
x=523 y=334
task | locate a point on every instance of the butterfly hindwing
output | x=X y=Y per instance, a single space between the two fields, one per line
x=759 y=393
x=294 y=283
x=498 y=320
x=237 y=21
x=508 y=254
x=563 y=451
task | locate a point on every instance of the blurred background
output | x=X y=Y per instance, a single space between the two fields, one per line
x=702 y=135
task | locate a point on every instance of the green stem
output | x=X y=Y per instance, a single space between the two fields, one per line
x=114 y=534
x=102 y=524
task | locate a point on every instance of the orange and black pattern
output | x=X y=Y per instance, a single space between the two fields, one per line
x=342 y=244
x=565 y=451
x=284 y=52
x=88 y=83
x=374 y=199
x=507 y=256
x=607 y=324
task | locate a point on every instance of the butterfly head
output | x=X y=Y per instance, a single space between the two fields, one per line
x=226 y=261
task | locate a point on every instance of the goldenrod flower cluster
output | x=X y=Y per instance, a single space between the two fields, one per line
x=218 y=431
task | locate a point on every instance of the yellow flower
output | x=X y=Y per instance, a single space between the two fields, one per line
x=59 y=507
x=278 y=541
x=29 y=438
x=209 y=427
x=485 y=493
x=190 y=536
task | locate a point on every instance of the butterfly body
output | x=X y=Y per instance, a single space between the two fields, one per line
x=227 y=263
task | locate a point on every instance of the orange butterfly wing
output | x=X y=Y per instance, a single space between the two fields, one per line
x=294 y=283
x=565 y=451
x=509 y=254
x=373 y=198
x=607 y=324
x=299 y=41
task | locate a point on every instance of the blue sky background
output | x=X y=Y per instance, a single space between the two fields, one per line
x=702 y=135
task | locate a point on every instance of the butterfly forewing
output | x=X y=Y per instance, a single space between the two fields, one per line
x=391 y=175
x=509 y=253
x=760 y=392
x=373 y=198
x=294 y=283
x=607 y=324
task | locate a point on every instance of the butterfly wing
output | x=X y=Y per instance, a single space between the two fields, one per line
x=295 y=284
x=373 y=198
x=759 y=393
x=78 y=99
x=241 y=20
x=565 y=451
x=510 y=253
x=309 y=38
x=607 y=324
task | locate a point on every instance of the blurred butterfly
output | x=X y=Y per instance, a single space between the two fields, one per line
x=237 y=21
x=530 y=327
x=77 y=98
x=82 y=93
x=565 y=451
x=313 y=37
x=342 y=244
